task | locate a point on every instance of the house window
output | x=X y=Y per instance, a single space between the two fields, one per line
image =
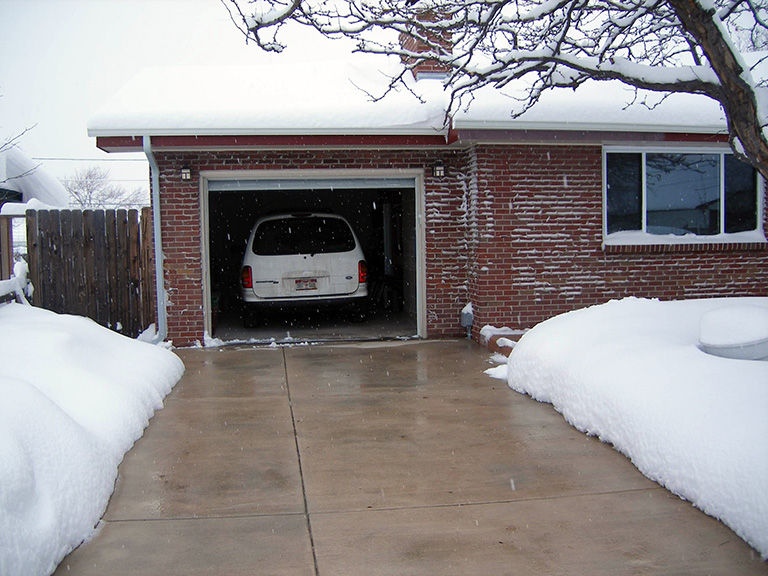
x=680 y=193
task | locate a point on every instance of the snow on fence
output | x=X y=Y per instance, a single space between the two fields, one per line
x=94 y=263
x=17 y=287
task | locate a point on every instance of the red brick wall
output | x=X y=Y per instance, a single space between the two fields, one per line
x=516 y=230
x=181 y=220
x=181 y=213
x=537 y=243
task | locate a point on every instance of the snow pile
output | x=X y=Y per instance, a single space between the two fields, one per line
x=631 y=373
x=76 y=397
x=487 y=332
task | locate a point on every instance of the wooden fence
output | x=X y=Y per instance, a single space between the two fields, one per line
x=94 y=263
x=6 y=247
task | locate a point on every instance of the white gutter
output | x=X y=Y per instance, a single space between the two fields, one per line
x=162 y=311
x=426 y=128
x=564 y=125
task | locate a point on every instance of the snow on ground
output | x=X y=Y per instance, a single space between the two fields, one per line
x=631 y=372
x=76 y=397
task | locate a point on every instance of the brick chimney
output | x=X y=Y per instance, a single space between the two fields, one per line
x=412 y=42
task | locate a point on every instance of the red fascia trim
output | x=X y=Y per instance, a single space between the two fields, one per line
x=134 y=143
x=702 y=138
x=120 y=143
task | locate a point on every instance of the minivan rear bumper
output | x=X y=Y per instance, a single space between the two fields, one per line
x=360 y=294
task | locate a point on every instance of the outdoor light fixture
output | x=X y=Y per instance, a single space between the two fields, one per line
x=438 y=170
x=186 y=173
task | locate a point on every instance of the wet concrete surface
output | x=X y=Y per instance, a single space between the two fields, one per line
x=384 y=459
x=332 y=325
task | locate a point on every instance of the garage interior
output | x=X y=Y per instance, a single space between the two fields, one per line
x=382 y=212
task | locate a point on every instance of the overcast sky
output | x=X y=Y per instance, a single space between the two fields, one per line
x=62 y=59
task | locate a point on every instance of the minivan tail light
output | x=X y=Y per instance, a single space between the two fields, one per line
x=247 y=277
x=362 y=268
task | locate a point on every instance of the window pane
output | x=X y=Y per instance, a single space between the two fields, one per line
x=315 y=235
x=740 y=195
x=624 y=192
x=683 y=193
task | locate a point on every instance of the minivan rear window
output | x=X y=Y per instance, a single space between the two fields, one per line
x=305 y=235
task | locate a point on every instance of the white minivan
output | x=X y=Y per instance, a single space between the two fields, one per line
x=302 y=258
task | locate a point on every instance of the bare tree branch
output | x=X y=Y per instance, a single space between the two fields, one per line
x=91 y=188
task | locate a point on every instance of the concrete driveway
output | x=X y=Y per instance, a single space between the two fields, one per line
x=384 y=459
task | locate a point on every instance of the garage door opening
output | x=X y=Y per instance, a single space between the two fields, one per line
x=382 y=212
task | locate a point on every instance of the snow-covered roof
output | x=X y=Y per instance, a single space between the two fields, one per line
x=337 y=97
x=595 y=106
x=21 y=174
x=309 y=98
x=604 y=106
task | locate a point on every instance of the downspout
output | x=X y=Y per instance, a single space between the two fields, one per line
x=162 y=311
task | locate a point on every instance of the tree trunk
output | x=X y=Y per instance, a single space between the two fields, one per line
x=735 y=95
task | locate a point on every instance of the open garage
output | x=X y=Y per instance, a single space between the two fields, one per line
x=382 y=213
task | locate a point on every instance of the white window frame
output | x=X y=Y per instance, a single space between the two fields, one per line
x=641 y=237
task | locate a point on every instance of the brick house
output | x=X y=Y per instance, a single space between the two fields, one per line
x=576 y=202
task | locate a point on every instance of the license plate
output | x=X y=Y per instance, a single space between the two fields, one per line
x=306 y=284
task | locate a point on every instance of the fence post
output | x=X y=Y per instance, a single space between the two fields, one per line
x=6 y=247
x=90 y=304
x=100 y=268
x=134 y=283
x=123 y=264
x=33 y=255
x=64 y=268
x=148 y=295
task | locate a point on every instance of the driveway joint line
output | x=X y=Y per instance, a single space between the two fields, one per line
x=217 y=517
x=301 y=469
x=492 y=502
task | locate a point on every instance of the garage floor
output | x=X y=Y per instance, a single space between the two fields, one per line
x=325 y=327
x=382 y=459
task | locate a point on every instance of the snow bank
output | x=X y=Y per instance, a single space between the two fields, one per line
x=76 y=397
x=631 y=373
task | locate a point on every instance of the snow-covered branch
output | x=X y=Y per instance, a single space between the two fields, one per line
x=692 y=46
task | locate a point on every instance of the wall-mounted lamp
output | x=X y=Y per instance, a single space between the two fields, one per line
x=438 y=170
x=186 y=173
